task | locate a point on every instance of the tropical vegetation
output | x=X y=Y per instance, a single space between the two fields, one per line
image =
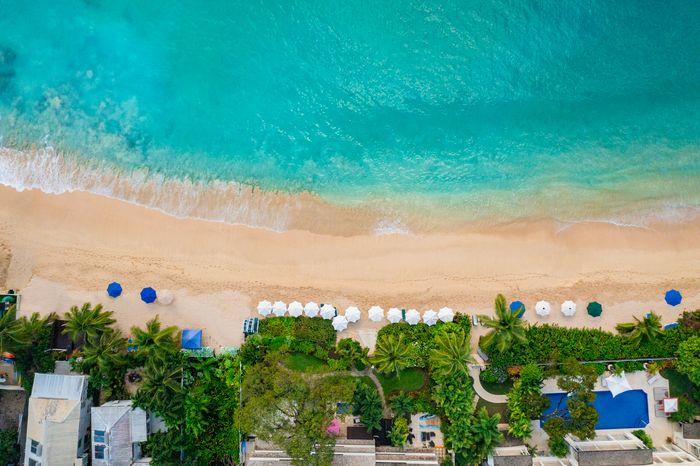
x=367 y=404
x=525 y=401
x=507 y=329
x=451 y=354
x=689 y=359
x=391 y=354
x=398 y=434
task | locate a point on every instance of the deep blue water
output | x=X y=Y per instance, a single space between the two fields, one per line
x=627 y=410
x=562 y=109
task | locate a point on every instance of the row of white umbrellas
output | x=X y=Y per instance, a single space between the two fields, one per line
x=543 y=308
x=353 y=314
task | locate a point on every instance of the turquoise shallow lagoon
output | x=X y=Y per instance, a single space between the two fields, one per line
x=470 y=109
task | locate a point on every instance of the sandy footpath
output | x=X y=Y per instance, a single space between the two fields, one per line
x=63 y=249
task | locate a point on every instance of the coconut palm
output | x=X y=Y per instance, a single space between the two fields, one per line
x=485 y=434
x=391 y=354
x=452 y=354
x=106 y=351
x=647 y=329
x=87 y=322
x=161 y=391
x=13 y=334
x=401 y=404
x=352 y=351
x=506 y=328
x=155 y=341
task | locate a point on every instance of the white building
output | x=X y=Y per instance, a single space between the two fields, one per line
x=57 y=421
x=118 y=430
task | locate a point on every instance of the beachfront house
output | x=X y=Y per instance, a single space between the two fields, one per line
x=57 y=421
x=118 y=429
x=609 y=450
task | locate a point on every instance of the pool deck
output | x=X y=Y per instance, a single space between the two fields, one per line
x=659 y=428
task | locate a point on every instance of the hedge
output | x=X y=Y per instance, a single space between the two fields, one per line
x=316 y=330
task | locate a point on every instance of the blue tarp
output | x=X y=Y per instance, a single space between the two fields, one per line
x=673 y=297
x=148 y=295
x=114 y=289
x=191 y=339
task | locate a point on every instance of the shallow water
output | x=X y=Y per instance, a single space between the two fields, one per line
x=471 y=110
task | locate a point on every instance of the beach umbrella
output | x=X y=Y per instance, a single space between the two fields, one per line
x=114 y=289
x=165 y=297
x=517 y=306
x=617 y=384
x=670 y=405
x=412 y=317
x=295 y=309
x=430 y=317
x=352 y=314
x=673 y=297
x=311 y=309
x=148 y=295
x=594 y=309
x=376 y=313
x=279 y=308
x=568 y=308
x=327 y=311
x=264 y=308
x=446 y=314
x=340 y=323
x=394 y=315
x=543 y=308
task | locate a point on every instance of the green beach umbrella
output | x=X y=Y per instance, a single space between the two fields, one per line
x=594 y=309
x=9 y=299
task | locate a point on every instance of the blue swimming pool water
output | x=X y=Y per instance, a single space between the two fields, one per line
x=626 y=411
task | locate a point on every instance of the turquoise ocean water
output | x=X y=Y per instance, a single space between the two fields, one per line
x=471 y=109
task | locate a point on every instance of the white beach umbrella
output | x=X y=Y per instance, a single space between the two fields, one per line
x=543 y=308
x=412 y=317
x=568 y=308
x=327 y=311
x=352 y=314
x=295 y=309
x=340 y=323
x=165 y=297
x=279 y=308
x=394 y=315
x=430 y=317
x=376 y=313
x=311 y=309
x=446 y=314
x=264 y=308
x=618 y=384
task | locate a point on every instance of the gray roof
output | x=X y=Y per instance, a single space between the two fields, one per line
x=615 y=457
x=691 y=430
x=59 y=387
x=105 y=417
x=513 y=460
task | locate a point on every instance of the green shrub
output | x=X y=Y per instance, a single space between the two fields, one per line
x=493 y=374
x=644 y=437
x=318 y=331
x=399 y=432
x=687 y=410
x=9 y=448
x=558 y=447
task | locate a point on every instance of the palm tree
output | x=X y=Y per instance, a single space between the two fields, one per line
x=401 y=404
x=161 y=391
x=452 y=354
x=647 y=329
x=105 y=352
x=352 y=351
x=155 y=341
x=485 y=434
x=35 y=324
x=13 y=334
x=506 y=328
x=391 y=354
x=87 y=322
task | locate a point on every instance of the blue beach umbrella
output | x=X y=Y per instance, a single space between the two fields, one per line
x=148 y=295
x=673 y=297
x=517 y=306
x=114 y=289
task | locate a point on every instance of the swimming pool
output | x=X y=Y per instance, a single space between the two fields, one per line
x=625 y=411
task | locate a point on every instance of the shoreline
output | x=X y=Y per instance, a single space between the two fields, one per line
x=63 y=249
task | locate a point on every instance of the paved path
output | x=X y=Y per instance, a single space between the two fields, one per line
x=474 y=371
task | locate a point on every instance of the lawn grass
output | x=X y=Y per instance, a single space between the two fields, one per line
x=493 y=408
x=498 y=388
x=305 y=363
x=408 y=380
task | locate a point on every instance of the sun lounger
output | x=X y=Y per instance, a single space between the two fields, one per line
x=475 y=320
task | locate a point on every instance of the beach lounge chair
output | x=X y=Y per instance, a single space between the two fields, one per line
x=475 y=320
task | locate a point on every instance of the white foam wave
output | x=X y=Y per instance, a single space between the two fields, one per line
x=55 y=173
x=387 y=226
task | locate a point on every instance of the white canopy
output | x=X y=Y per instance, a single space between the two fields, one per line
x=394 y=315
x=352 y=314
x=327 y=311
x=311 y=309
x=430 y=317
x=340 y=323
x=446 y=314
x=295 y=309
x=264 y=308
x=165 y=297
x=670 y=405
x=543 y=308
x=568 y=308
x=617 y=384
x=376 y=313
x=279 y=308
x=412 y=317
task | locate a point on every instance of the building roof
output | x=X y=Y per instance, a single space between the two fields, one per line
x=59 y=387
x=691 y=430
x=105 y=417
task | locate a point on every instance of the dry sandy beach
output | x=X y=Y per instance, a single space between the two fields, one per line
x=61 y=250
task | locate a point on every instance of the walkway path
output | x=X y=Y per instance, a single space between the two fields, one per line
x=474 y=371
